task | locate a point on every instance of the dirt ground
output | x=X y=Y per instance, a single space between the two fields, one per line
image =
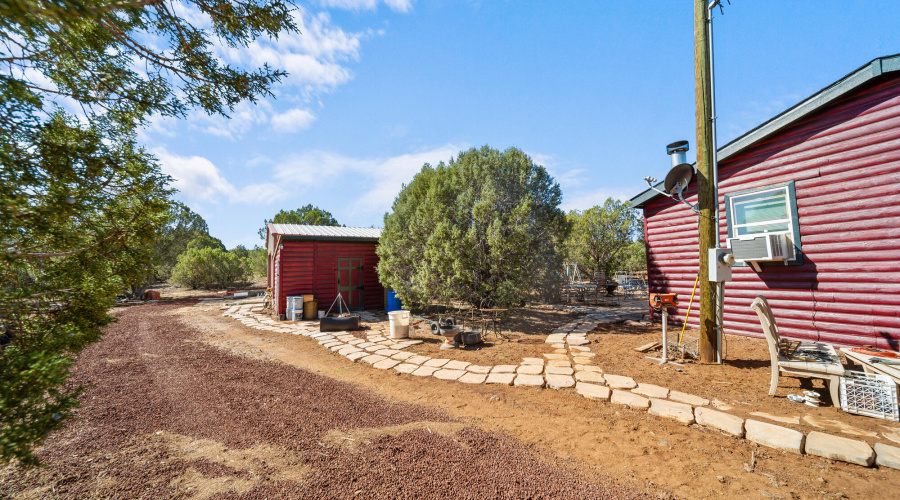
x=740 y=385
x=178 y=405
x=684 y=461
x=595 y=443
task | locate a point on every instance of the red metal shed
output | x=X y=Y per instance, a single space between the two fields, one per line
x=322 y=260
x=825 y=174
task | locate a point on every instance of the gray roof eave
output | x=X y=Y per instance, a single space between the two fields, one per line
x=811 y=104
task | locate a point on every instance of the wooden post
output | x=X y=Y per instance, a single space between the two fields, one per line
x=705 y=184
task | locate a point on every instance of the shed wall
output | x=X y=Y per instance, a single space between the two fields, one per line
x=845 y=163
x=311 y=267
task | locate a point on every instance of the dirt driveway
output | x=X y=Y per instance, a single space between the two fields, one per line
x=182 y=404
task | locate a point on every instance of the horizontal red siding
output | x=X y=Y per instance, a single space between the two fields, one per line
x=310 y=267
x=845 y=163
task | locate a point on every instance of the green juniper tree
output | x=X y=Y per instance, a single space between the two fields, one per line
x=601 y=234
x=310 y=215
x=81 y=204
x=484 y=229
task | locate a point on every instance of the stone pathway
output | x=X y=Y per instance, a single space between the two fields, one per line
x=570 y=365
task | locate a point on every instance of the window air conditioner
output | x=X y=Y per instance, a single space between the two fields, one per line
x=769 y=246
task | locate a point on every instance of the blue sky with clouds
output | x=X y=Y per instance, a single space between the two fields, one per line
x=592 y=90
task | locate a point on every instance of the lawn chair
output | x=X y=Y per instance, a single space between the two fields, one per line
x=806 y=359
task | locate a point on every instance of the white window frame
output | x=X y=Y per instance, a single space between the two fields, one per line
x=793 y=226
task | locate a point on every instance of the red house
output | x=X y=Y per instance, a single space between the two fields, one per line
x=809 y=199
x=323 y=261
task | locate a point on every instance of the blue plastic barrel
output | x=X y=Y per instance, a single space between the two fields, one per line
x=393 y=303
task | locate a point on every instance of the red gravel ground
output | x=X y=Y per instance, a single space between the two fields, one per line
x=166 y=416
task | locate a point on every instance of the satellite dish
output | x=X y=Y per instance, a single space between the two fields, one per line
x=680 y=175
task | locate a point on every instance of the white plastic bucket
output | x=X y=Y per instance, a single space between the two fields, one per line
x=399 y=324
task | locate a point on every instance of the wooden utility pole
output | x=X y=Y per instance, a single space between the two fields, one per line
x=705 y=185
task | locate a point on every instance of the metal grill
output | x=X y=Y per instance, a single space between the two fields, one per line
x=869 y=394
x=688 y=348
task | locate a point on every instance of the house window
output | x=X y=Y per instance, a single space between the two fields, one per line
x=771 y=209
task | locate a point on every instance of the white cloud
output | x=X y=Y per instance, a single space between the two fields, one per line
x=198 y=180
x=382 y=177
x=292 y=120
x=395 y=5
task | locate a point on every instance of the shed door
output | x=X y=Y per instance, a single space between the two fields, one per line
x=349 y=281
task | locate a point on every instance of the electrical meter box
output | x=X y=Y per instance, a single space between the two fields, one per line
x=720 y=261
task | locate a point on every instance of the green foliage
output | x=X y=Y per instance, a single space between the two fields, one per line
x=483 y=229
x=632 y=258
x=81 y=205
x=599 y=235
x=183 y=226
x=205 y=241
x=209 y=268
x=241 y=251
x=309 y=215
x=257 y=262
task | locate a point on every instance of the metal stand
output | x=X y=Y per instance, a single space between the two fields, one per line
x=665 y=343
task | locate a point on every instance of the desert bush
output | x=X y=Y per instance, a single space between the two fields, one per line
x=208 y=268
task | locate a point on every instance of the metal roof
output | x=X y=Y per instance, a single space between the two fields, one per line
x=869 y=71
x=302 y=230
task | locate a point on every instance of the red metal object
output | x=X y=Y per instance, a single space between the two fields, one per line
x=666 y=300
x=845 y=162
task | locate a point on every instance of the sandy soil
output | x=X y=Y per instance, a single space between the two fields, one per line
x=688 y=462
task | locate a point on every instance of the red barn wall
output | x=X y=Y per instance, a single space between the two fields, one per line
x=845 y=163
x=311 y=267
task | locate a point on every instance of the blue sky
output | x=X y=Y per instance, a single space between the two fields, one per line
x=591 y=90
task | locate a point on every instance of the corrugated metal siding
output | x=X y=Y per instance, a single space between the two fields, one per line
x=845 y=162
x=311 y=267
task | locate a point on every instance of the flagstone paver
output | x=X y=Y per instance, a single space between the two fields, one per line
x=630 y=399
x=417 y=360
x=559 y=370
x=372 y=359
x=354 y=356
x=557 y=356
x=560 y=362
x=690 y=399
x=473 y=378
x=456 y=365
x=445 y=374
x=588 y=368
x=386 y=364
x=620 y=382
x=402 y=356
x=387 y=352
x=560 y=381
x=650 y=390
x=532 y=361
x=436 y=363
x=725 y=422
x=577 y=341
x=593 y=391
x=530 y=369
x=425 y=371
x=590 y=377
x=523 y=380
x=670 y=409
x=406 y=367
x=504 y=369
x=478 y=369
x=581 y=360
x=500 y=378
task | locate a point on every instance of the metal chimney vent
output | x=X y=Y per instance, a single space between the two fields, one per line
x=677 y=150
